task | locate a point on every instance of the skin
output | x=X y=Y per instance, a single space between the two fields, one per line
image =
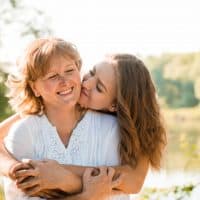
x=60 y=91
x=99 y=88
x=91 y=179
x=104 y=180
x=127 y=179
x=60 y=85
x=98 y=93
x=8 y=159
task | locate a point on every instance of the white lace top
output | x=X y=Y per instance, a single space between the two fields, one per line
x=93 y=142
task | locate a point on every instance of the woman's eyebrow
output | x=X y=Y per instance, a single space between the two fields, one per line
x=66 y=66
x=70 y=65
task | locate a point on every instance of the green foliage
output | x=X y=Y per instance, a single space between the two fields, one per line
x=185 y=192
x=12 y=13
x=180 y=94
x=176 y=78
x=1 y=194
x=4 y=106
x=183 y=139
x=197 y=87
x=13 y=3
x=29 y=22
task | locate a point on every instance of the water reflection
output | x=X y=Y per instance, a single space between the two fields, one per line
x=165 y=178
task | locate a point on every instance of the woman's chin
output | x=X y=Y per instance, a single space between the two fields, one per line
x=82 y=105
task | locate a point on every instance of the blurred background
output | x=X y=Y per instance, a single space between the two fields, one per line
x=164 y=34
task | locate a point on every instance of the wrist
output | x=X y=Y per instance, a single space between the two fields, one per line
x=71 y=182
x=86 y=196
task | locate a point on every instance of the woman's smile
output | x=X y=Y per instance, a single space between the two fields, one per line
x=66 y=92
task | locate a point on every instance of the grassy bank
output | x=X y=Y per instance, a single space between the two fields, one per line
x=183 y=139
x=186 y=192
x=1 y=194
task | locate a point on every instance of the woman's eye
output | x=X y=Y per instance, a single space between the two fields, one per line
x=91 y=72
x=53 y=76
x=98 y=88
x=69 y=71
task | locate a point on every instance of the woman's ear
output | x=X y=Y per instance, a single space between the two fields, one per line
x=34 y=89
x=113 y=107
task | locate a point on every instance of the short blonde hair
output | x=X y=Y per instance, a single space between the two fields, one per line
x=33 y=64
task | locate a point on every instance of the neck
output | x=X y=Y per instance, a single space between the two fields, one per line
x=65 y=120
x=61 y=115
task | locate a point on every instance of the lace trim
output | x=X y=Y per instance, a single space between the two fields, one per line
x=58 y=152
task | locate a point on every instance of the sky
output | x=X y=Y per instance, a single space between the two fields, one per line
x=141 y=27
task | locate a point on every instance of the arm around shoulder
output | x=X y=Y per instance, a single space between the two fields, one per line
x=20 y=138
x=6 y=124
x=132 y=179
x=6 y=159
x=16 y=145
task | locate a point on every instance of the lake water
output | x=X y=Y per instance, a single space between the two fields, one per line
x=165 y=178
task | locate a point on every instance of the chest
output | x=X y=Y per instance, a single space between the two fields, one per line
x=84 y=146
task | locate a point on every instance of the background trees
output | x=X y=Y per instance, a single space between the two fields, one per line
x=177 y=78
x=20 y=21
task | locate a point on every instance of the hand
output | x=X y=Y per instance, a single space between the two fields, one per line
x=43 y=175
x=51 y=194
x=100 y=186
x=16 y=167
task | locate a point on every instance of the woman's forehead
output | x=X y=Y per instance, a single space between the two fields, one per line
x=103 y=65
x=105 y=71
x=60 y=61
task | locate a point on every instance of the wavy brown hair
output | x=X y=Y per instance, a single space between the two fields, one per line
x=141 y=128
x=34 y=64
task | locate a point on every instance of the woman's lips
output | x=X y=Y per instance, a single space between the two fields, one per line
x=66 y=92
x=85 y=91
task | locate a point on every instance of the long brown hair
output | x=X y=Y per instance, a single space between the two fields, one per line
x=138 y=112
x=33 y=64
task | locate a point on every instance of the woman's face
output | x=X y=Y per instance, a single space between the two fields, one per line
x=61 y=85
x=98 y=90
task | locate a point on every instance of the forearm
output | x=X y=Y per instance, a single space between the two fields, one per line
x=77 y=172
x=6 y=124
x=80 y=196
x=132 y=179
x=7 y=160
x=71 y=182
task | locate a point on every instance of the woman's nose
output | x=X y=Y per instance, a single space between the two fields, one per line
x=88 y=83
x=62 y=79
